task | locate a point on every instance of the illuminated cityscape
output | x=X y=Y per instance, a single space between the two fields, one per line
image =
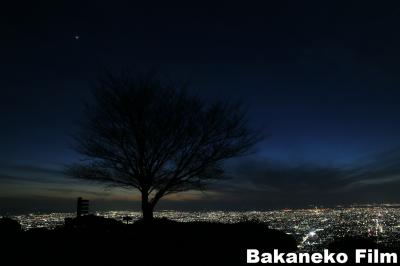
x=313 y=228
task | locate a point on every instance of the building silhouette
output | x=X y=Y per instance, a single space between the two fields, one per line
x=82 y=207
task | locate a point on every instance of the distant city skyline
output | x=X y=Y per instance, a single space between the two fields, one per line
x=313 y=228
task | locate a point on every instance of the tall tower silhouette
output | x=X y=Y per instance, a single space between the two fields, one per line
x=82 y=207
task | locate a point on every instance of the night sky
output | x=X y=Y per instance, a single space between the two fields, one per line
x=321 y=78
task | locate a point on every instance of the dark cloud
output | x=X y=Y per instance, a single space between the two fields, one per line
x=70 y=191
x=275 y=175
x=16 y=179
x=30 y=169
x=262 y=183
x=30 y=173
x=378 y=169
x=254 y=184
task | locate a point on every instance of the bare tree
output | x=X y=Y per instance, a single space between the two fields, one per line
x=151 y=135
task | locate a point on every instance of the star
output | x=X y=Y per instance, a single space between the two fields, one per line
x=76 y=37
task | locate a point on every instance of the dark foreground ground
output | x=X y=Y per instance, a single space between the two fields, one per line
x=94 y=240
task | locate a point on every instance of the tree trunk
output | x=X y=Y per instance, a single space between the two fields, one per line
x=147 y=208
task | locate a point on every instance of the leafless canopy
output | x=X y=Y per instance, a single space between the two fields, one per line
x=151 y=135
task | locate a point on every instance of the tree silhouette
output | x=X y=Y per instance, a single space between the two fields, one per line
x=151 y=135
